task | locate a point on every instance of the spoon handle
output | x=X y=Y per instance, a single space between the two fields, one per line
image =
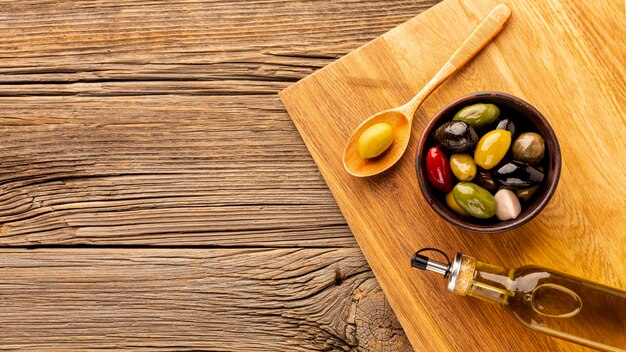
x=486 y=30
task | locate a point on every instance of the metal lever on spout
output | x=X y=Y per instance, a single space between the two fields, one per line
x=422 y=262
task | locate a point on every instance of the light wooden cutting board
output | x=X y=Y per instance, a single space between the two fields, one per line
x=565 y=57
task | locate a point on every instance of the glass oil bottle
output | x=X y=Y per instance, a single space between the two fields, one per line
x=541 y=299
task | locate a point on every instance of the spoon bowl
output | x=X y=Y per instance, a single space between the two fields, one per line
x=400 y=118
x=357 y=166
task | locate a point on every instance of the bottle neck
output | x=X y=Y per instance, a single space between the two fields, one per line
x=481 y=280
x=469 y=277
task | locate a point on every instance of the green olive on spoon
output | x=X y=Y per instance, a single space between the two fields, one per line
x=401 y=118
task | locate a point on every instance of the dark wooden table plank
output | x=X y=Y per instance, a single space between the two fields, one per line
x=216 y=47
x=152 y=171
x=193 y=299
x=149 y=123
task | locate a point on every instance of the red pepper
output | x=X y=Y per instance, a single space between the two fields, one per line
x=438 y=170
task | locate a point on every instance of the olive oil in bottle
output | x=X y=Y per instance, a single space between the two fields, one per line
x=541 y=299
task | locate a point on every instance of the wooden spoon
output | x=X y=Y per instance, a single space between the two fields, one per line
x=401 y=118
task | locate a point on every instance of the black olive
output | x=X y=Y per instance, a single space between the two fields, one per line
x=508 y=125
x=484 y=180
x=456 y=136
x=516 y=175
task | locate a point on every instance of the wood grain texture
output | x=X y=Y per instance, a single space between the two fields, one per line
x=214 y=148
x=193 y=299
x=147 y=170
x=150 y=123
x=213 y=47
x=565 y=58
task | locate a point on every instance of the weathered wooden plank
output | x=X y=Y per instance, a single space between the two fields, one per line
x=190 y=299
x=75 y=169
x=184 y=47
x=191 y=148
x=146 y=170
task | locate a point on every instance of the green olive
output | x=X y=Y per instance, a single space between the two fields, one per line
x=463 y=166
x=529 y=148
x=478 y=115
x=375 y=140
x=527 y=193
x=474 y=200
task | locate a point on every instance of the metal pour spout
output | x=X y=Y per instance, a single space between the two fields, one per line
x=422 y=262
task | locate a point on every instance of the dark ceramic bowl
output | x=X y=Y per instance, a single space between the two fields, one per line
x=528 y=120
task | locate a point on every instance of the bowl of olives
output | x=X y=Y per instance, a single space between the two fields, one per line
x=488 y=162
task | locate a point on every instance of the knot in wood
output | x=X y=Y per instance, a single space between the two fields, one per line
x=377 y=328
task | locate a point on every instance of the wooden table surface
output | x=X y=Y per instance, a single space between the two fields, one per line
x=154 y=192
